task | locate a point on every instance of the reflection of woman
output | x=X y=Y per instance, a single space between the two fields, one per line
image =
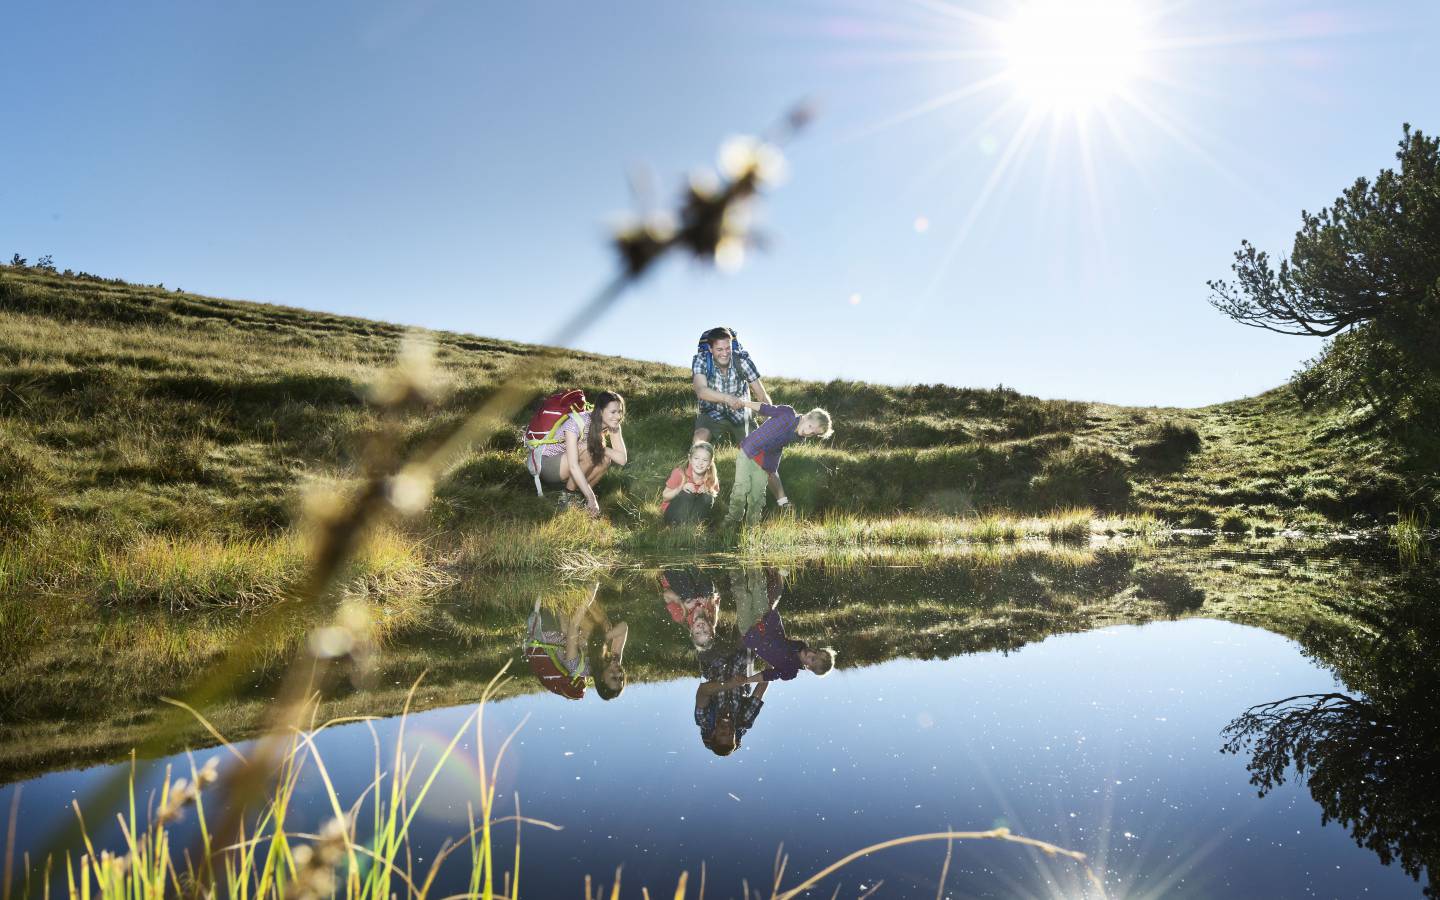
x=691 y=600
x=556 y=645
x=724 y=713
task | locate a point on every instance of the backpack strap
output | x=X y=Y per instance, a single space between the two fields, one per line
x=535 y=444
x=704 y=347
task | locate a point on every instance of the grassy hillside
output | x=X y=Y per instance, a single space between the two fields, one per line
x=128 y=412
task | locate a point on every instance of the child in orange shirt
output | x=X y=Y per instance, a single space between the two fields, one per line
x=691 y=489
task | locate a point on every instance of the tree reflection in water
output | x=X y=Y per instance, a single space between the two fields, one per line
x=1371 y=758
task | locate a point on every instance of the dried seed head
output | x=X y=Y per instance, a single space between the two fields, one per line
x=748 y=158
x=410 y=490
x=730 y=254
x=321 y=503
x=112 y=864
x=413 y=379
x=181 y=794
x=315 y=863
x=354 y=617
x=704 y=185
x=331 y=642
x=334 y=837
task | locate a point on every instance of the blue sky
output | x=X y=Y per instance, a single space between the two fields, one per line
x=456 y=165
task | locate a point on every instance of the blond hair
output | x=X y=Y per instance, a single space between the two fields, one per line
x=823 y=417
x=826 y=661
x=712 y=475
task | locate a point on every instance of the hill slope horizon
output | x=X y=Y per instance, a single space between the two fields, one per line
x=139 y=408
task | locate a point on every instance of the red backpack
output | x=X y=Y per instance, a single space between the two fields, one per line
x=545 y=425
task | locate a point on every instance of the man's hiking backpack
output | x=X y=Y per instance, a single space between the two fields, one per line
x=736 y=351
x=544 y=427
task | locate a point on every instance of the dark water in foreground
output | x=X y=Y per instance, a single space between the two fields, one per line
x=1082 y=700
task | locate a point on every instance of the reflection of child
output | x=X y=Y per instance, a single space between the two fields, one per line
x=691 y=600
x=785 y=656
x=755 y=592
x=691 y=489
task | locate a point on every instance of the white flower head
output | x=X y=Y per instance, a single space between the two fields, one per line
x=744 y=155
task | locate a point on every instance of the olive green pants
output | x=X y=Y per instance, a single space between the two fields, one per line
x=752 y=599
x=747 y=495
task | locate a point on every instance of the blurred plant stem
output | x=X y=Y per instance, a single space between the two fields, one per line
x=710 y=225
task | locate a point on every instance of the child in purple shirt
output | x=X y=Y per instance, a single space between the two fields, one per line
x=758 y=458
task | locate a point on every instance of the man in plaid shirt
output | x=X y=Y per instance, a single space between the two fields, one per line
x=723 y=381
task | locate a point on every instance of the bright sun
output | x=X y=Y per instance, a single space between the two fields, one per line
x=1072 y=55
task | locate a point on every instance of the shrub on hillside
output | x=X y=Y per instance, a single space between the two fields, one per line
x=1028 y=416
x=889 y=481
x=1234 y=522
x=1081 y=477
x=1167 y=446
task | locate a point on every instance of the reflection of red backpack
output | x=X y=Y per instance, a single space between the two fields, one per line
x=545 y=426
x=554 y=678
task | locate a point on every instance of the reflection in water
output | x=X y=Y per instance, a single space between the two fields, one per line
x=725 y=703
x=558 y=648
x=1371 y=759
x=729 y=700
x=1101 y=741
x=691 y=600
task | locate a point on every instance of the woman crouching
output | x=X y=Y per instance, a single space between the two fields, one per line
x=592 y=442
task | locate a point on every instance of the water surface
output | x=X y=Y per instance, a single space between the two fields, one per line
x=1080 y=698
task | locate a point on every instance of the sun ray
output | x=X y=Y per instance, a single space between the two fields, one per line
x=929 y=106
x=920 y=57
x=952 y=11
x=1020 y=140
x=1176 y=132
x=1052 y=155
x=1122 y=141
x=962 y=146
x=1092 y=187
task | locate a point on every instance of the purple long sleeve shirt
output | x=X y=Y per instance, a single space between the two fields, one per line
x=766 y=443
x=767 y=638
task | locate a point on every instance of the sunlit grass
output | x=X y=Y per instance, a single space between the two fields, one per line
x=204 y=571
x=1410 y=536
x=842 y=530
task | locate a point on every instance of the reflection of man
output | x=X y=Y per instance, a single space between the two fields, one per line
x=724 y=713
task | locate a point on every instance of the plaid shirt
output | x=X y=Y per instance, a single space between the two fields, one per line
x=723 y=664
x=734 y=381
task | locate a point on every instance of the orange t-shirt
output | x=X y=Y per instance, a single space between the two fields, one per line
x=678 y=478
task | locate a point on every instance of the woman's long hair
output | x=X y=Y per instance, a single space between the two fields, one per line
x=595 y=435
x=712 y=478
